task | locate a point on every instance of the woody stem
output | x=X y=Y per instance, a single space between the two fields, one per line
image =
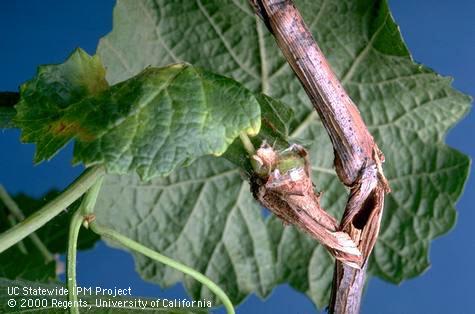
x=357 y=157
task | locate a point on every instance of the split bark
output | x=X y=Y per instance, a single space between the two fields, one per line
x=358 y=160
x=283 y=184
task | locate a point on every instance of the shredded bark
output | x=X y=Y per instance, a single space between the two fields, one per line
x=358 y=160
x=284 y=186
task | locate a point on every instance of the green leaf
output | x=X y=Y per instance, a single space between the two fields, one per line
x=152 y=123
x=406 y=106
x=275 y=116
x=47 y=98
x=6 y=117
x=56 y=302
x=25 y=261
x=7 y=112
x=202 y=215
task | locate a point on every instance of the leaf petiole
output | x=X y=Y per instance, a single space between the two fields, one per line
x=87 y=206
x=12 y=206
x=52 y=209
x=74 y=227
x=21 y=246
x=85 y=214
x=246 y=142
x=139 y=248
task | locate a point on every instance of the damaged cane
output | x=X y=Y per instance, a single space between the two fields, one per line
x=358 y=161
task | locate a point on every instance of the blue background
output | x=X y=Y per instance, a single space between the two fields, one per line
x=440 y=34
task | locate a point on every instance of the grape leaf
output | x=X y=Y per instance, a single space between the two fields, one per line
x=152 y=123
x=55 y=303
x=6 y=117
x=7 y=112
x=274 y=130
x=202 y=215
x=406 y=106
x=23 y=261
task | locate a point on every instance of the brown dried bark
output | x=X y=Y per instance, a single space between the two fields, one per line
x=358 y=160
x=290 y=196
